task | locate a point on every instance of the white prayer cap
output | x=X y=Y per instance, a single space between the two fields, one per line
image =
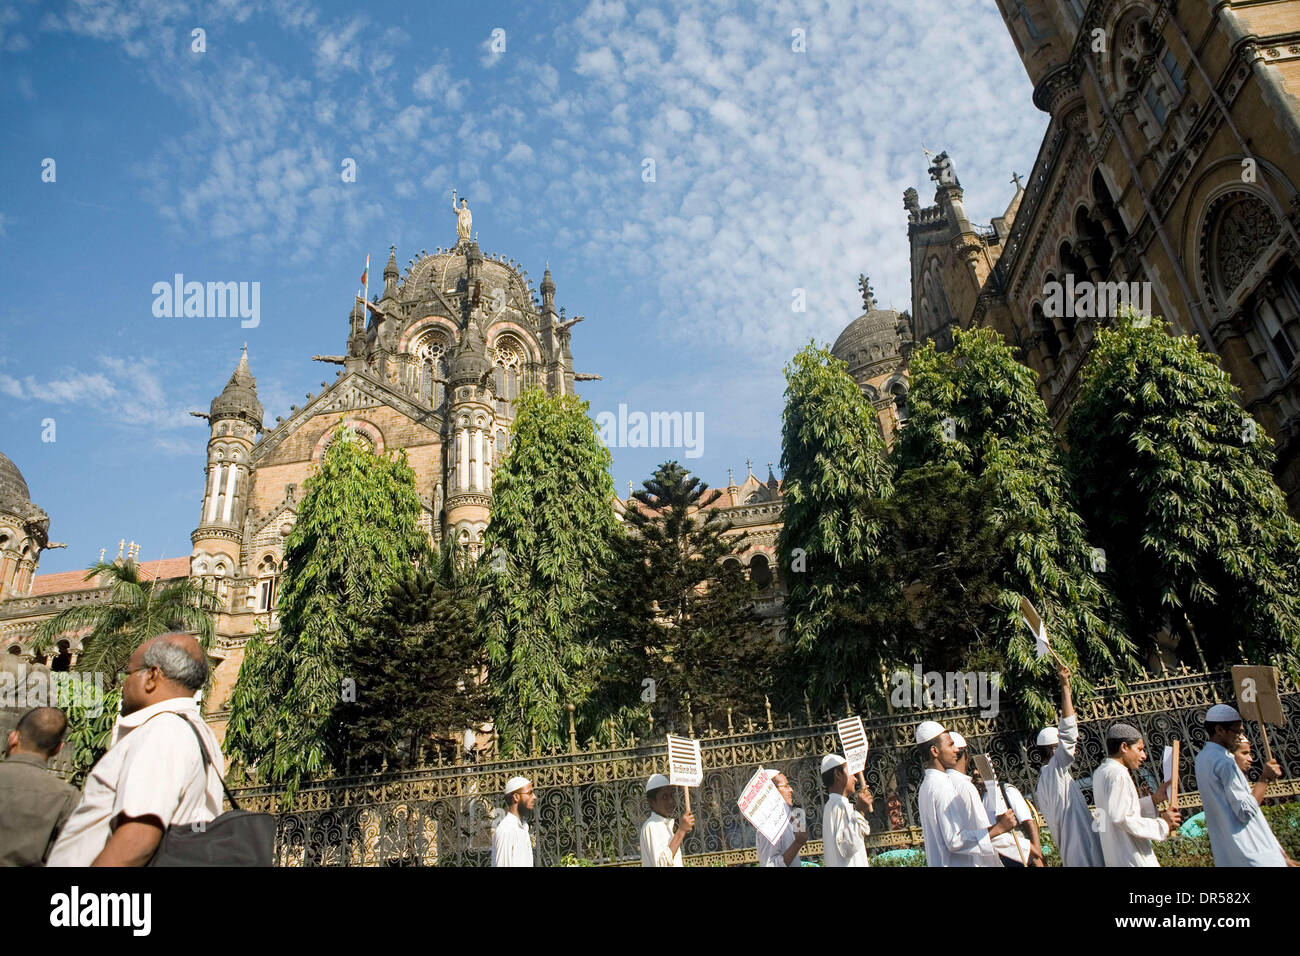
x=958 y=741
x=516 y=783
x=831 y=761
x=656 y=781
x=1222 y=714
x=927 y=730
x=1048 y=737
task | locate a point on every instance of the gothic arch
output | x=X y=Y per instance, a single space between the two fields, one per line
x=366 y=430
x=1237 y=230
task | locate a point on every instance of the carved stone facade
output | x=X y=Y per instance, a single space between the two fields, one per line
x=1170 y=165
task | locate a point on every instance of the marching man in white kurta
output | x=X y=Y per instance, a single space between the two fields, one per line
x=950 y=838
x=1239 y=834
x=511 y=844
x=1060 y=798
x=1125 y=826
x=973 y=812
x=843 y=825
x=661 y=836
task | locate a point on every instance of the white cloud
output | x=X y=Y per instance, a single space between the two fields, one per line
x=519 y=153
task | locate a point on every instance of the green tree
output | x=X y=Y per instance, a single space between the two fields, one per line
x=835 y=474
x=138 y=607
x=685 y=614
x=358 y=530
x=545 y=551
x=418 y=665
x=977 y=407
x=1175 y=479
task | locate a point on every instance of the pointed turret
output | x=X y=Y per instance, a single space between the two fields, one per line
x=238 y=400
x=235 y=419
x=391 y=273
x=548 y=290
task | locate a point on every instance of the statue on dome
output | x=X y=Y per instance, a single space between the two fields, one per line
x=464 y=220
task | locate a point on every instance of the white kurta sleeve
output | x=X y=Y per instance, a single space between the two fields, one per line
x=1118 y=813
x=864 y=828
x=1236 y=793
x=1068 y=732
x=654 y=845
x=954 y=837
x=847 y=839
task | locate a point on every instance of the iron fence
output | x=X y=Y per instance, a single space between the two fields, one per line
x=590 y=803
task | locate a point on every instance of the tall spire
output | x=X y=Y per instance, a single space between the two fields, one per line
x=391 y=273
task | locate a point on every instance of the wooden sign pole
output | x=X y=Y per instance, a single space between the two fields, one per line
x=1173 y=780
x=687 y=791
x=1014 y=835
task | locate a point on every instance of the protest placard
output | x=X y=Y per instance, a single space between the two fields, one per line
x=685 y=768
x=762 y=805
x=853 y=738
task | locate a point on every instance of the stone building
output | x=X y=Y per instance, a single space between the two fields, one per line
x=1170 y=166
x=876 y=345
x=432 y=369
x=24 y=532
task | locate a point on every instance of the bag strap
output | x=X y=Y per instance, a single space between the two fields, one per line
x=203 y=753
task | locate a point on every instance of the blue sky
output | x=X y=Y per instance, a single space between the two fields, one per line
x=774 y=170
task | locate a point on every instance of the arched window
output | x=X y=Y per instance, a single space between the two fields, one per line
x=760 y=571
x=508 y=368
x=430 y=352
x=268 y=580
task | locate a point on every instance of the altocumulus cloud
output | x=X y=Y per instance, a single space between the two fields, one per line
x=775 y=170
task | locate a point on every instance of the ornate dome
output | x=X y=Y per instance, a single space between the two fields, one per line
x=13 y=487
x=239 y=398
x=502 y=282
x=878 y=335
x=15 y=499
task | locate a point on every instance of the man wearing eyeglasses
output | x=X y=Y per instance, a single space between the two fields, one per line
x=785 y=852
x=153 y=776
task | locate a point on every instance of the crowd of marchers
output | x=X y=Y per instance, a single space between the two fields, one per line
x=164 y=775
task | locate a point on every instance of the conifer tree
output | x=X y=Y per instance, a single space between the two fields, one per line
x=418 y=665
x=684 y=615
x=357 y=530
x=547 y=547
x=1176 y=480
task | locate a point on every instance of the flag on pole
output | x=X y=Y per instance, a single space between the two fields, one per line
x=1036 y=626
x=365 y=273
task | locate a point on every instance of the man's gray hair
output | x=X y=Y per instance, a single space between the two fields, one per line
x=177 y=665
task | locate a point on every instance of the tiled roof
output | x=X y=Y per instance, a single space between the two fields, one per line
x=166 y=569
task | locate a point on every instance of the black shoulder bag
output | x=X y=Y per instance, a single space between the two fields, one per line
x=236 y=838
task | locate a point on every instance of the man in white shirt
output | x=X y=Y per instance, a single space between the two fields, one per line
x=152 y=777
x=973 y=813
x=661 y=837
x=511 y=845
x=952 y=838
x=1126 y=826
x=1060 y=798
x=1015 y=849
x=785 y=852
x=1239 y=834
x=843 y=825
